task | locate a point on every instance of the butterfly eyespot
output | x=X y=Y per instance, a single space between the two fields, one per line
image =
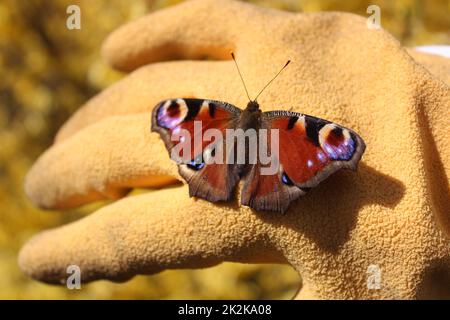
x=195 y=165
x=171 y=113
x=286 y=180
x=338 y=143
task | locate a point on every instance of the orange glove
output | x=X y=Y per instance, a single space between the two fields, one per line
x=391 y=216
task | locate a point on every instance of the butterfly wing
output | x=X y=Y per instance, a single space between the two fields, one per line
x=211 y=181
x=268 y=192
x=310 y=149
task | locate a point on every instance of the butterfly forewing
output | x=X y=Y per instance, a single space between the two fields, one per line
x=213 y=181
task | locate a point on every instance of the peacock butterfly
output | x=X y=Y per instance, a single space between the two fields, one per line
x=304 y=150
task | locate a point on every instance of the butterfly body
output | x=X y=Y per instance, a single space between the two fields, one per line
x=305 y=150
x=250 y=118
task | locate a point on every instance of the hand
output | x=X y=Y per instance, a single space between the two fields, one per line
x=392 y=213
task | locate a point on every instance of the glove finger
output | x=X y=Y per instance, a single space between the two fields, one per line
x=190 y=30
x=104 y=160
x=146 y=234
x=143 y=89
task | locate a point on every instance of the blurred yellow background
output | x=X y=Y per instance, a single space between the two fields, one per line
x=48 y=71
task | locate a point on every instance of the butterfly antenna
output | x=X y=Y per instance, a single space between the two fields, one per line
x=239 y=71
x=289 y=61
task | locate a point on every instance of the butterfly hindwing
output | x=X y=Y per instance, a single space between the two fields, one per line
x=310 y=149
x=210 y=181
x=268 y=192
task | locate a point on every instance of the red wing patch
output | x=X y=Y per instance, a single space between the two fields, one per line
x=310 y=149
x=214 y=181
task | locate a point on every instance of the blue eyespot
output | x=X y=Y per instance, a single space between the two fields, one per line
x=286 y=180
x=196 y=164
